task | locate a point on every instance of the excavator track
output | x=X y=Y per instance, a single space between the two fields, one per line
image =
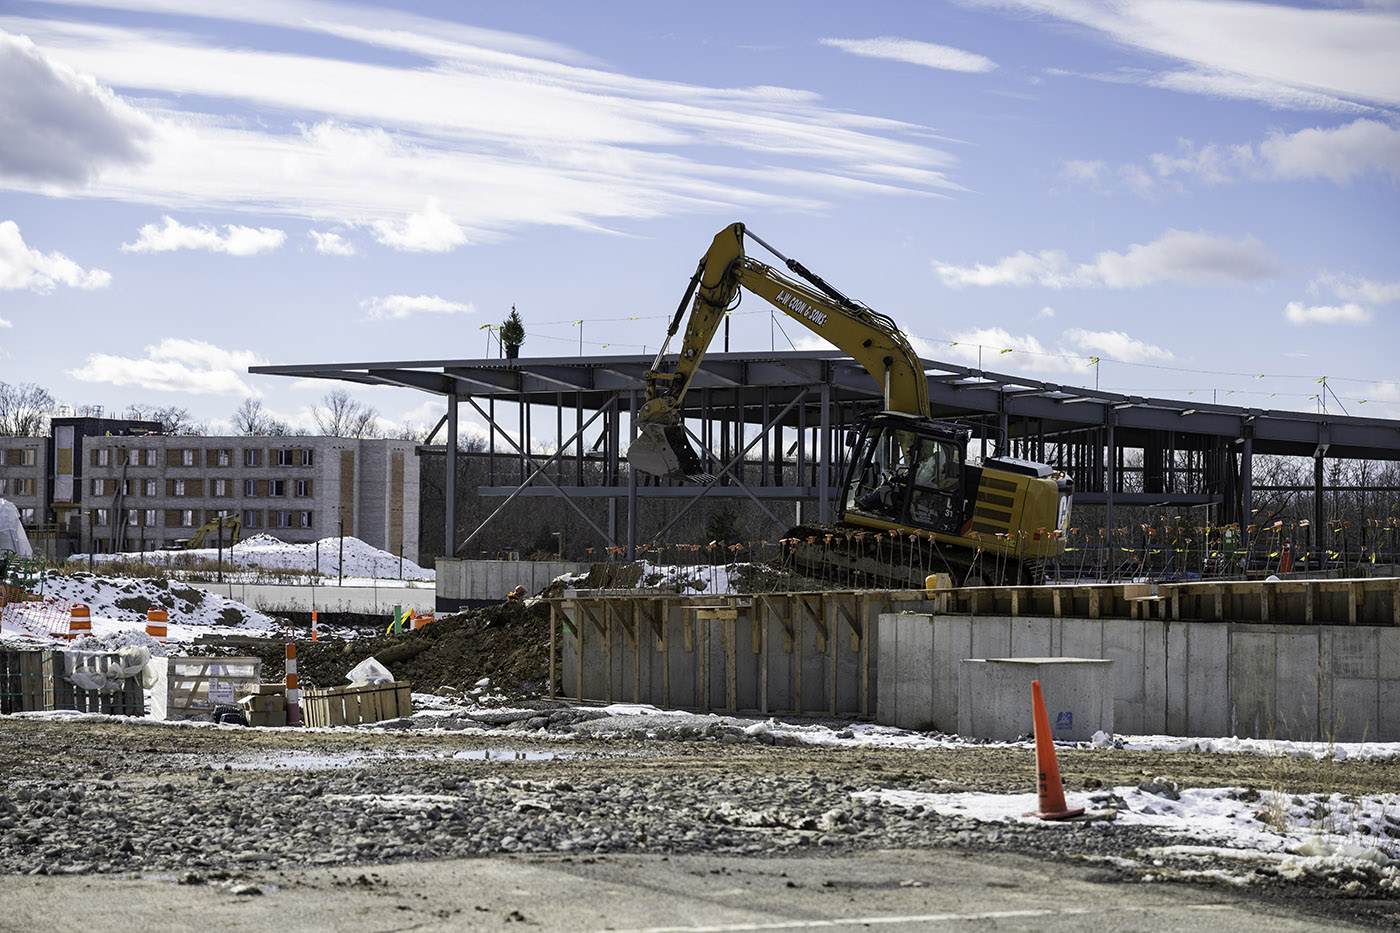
x=859 y=558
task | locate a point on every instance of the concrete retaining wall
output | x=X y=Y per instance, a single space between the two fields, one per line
x=467 y=583
x=364 y=600
x=1301 y=682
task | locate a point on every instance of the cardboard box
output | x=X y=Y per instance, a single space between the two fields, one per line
x=263 y=703
x=269 y=689
x=276 y=718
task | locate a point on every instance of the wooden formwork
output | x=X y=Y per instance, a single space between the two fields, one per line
x=1374 y=601
x=37 y=680
x=26 y=681
x=765 y=653
x=351 y=705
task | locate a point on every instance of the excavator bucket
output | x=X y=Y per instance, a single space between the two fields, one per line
x=662 y=450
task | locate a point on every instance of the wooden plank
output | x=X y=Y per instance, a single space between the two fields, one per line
x=553 y=644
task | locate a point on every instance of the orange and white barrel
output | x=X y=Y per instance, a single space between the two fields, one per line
x=156 y=620
x=79 y=621
x=293 y=692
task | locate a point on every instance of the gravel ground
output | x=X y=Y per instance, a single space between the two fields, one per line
x=208 y=804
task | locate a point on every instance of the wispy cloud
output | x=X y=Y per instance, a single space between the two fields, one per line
x=1306 y=57
x=914 y=52
x=332 y=244
x=504 y=131
x=236 y=240
x=22 y=268
x=59 y=128
x=1176 y=256
x=1298 y=313
x=393 y=307
x=175 y=365
x=1354 y=288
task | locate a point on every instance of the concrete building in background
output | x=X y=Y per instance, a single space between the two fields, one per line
x=123 y=486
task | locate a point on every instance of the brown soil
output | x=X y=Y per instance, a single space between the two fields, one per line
x=508 y=643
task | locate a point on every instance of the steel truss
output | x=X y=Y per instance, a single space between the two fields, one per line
x=770 y=428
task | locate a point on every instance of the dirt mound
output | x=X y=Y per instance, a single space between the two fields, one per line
x=508 y=643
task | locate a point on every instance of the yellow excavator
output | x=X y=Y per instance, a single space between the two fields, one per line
x=227 y=527
x=911 y=503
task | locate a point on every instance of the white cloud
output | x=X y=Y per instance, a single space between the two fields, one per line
x=914 y=52
x=1176 y=256
x=25 y=268
x=332 y=244
x=236 y=241
x=1116 y=345
x=431 y=231
x=58 y=127
x=175 y=365
x=999 y=350
x=393 y=307
x=1339 y=154
x=1282 y=55
x=1046 y=311
x=1354 y=288
x=5 y=323
x=1298 y=313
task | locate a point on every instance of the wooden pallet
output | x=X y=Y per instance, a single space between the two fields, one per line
x=352 y=705
x=26 y=680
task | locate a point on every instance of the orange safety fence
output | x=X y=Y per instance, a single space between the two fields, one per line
x=43 y=618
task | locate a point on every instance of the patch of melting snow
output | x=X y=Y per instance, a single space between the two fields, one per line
x=511 y=754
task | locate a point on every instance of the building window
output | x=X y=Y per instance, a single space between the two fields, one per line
x=285 y=457
x=97 y=487
x=149 y=488
x=26 y=516
x=250 y=487
x=225 y=457
x=306 y=458
x=104 y=457
x=251 y=518
x=179 y=488
x=132 y=516
x=252 y=457
x=26 y=457
x=150 y=517
x=99 y=516
x=187 y=518
x=305 y=519
x=302 y=488
x=284 y=519
x=4 y=486
x=187 y=458
x=149 y=458
x=277 y=487
x=220 y=487
x=24 y=487
x=126 y=487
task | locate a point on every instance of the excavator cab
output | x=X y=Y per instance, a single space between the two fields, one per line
x=907 y=472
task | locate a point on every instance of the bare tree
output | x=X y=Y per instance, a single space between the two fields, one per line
x=25 y=409
x=251 y=418
x=339 y=415
x=174 y=419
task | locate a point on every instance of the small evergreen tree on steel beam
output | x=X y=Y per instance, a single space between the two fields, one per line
x=512 y=334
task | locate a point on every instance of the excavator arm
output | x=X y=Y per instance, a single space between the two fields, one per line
x=871 y=338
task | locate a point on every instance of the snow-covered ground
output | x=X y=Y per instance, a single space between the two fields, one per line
x=118 y=608
x=362 y=561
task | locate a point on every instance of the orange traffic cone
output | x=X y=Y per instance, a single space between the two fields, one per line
x=1052 y=792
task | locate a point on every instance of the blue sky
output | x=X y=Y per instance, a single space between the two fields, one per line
x=1184 y=199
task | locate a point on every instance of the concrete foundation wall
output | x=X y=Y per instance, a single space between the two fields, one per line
x=995 y=697
x=1301 y=682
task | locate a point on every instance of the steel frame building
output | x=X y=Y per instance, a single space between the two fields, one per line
x=770 y=427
